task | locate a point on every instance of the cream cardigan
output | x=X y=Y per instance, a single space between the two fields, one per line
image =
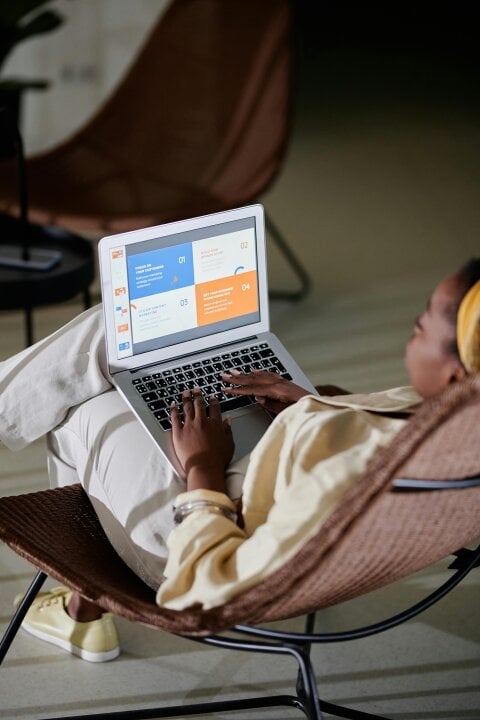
x=297 y=475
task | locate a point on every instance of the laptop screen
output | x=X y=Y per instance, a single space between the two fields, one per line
x=184 y=286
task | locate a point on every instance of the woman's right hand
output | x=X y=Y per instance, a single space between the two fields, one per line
x=270 y=389
x=203 y=441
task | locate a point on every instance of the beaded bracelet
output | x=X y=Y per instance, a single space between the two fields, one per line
x=187 y=508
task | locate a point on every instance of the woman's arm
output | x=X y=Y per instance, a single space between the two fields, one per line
x=203 y=442
x=297 y=475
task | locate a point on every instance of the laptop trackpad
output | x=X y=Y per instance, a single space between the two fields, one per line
x=247 y=429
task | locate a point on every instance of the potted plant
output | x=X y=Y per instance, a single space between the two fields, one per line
x=19 y=21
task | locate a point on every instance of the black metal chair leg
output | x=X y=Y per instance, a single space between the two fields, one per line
x=22 y=610
x=28 y=326
x=307 y=684
x=87 y=298
x=309 y=629
x=297 y=267
x=348 y=713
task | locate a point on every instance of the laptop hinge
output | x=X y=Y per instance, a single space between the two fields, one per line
x=193 y=354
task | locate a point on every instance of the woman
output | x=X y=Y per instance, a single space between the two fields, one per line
x=205 y=551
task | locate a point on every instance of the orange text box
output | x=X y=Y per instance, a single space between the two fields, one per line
x=226 y=298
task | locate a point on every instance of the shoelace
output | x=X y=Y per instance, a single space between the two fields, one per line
x=52 y=599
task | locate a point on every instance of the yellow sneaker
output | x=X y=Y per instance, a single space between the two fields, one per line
x=47 y=619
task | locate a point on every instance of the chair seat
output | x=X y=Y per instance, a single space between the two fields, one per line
x=374 y=537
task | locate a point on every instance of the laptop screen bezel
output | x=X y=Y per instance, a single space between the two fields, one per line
x=196 y=345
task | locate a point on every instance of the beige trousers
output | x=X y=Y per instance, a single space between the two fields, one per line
x=60 y=387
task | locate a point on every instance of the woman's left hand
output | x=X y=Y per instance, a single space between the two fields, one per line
x=203 y=442
x=269 y=388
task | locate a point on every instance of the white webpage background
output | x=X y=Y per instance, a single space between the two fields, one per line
x=214 y=258
x=163 y=314
x=223 y=255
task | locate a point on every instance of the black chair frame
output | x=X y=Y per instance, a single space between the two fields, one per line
x=296 y=266
x=274 y=642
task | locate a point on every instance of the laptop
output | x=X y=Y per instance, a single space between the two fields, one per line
x=183 y=302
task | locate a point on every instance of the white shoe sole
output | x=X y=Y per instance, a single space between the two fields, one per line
x=65 y=645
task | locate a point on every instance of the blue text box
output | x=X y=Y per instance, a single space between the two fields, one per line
x=159 y=271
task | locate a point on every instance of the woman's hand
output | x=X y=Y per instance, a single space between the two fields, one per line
x=270 y=389
x=203 y=442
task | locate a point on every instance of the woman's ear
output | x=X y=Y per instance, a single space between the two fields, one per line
x=457 y=371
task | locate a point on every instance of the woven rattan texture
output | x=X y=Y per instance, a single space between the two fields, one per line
x=333 y=565
x=374 y=537
x=444 y=455
x=58 y=532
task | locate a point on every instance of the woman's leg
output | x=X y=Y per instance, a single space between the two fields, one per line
x=132 y=488
x=102 y=445
x=39 y=385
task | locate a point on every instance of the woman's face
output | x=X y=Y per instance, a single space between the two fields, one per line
x=429 y=357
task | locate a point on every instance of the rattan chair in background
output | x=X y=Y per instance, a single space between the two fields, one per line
x=200 y=123
x=417 y=503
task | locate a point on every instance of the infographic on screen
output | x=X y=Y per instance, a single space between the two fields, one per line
x=179 y=291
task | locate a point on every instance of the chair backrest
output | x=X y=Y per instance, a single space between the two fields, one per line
x=199 y=123
x=376 y=535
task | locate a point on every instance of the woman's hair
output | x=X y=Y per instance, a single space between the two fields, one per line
x=468 y=275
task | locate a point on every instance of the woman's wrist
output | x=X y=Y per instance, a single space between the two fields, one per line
x=301 y=392
x=206 y=478
x=210 y=501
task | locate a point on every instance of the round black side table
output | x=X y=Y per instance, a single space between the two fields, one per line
x=27 y=289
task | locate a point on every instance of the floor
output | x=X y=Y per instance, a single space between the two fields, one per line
x=379 y=197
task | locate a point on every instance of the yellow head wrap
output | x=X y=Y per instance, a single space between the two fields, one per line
x=468 y=329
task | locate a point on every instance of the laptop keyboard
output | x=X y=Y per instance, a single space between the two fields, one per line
x=160 y=389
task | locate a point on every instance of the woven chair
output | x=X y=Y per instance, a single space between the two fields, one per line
x=199 y=124
x=418 y=502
